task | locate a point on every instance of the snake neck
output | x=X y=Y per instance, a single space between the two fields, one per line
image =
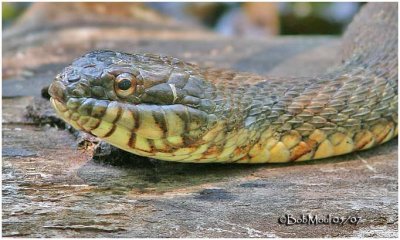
x=368 y=72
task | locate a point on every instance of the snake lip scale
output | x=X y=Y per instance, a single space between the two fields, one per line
x=168 y=109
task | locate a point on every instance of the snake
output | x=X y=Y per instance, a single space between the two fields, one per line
x=166 y=108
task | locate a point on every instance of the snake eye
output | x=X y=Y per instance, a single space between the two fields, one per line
x=125 y=84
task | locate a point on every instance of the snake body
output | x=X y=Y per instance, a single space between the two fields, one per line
x=165 y=108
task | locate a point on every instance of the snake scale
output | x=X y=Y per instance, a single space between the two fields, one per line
x=168 y=109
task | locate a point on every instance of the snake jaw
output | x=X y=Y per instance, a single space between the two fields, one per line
x=147 y=130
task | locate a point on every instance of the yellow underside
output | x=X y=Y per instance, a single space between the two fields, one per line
x=218 y=146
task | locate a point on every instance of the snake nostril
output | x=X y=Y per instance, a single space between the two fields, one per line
x=73 y=78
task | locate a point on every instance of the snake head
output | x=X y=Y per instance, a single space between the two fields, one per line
x=138 y=102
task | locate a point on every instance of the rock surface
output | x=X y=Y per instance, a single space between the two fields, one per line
x=52 y=187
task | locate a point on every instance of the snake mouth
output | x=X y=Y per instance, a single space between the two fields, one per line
x=148 y=130
x=57 y=91
x=110 y=131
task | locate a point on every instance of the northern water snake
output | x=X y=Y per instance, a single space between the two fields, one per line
x=168 y=109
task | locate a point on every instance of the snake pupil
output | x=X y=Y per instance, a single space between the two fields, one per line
x=124 y=84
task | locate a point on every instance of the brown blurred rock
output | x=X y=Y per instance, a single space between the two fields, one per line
x=251 y=20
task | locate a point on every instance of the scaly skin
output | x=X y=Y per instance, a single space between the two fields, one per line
x=177 y=111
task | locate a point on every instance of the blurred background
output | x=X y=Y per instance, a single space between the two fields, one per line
x=244 y=19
